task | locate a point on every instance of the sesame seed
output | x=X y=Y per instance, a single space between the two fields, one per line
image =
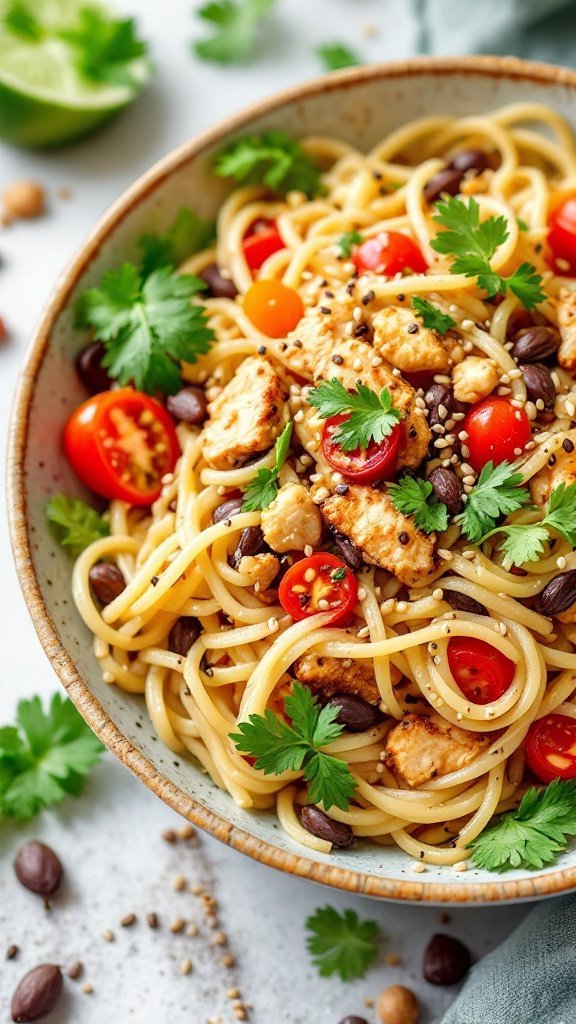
x=186 y=966
x=308 y=549
x=219 y=939
x=445 y=554
x=323 y=604
x=361 y=594
x=128 y=920
x=310 y=575
x=179 y=883
x=460 y=866
x=401 y=606
x=107 y=935
x=75 y=970
x=357 y=364
x=418 y=867
x=376 y=361
x=152 y=920
x=272 y=623
x=438 y=594
x=363 y=633
x=87 y=988
x=561 y=562
x=177 y=925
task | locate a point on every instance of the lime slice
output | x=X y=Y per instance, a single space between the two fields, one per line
x=44 y=99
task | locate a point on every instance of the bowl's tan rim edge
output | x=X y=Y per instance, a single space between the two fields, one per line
x=75 y=685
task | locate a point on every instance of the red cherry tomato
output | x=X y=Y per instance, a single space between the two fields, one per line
x=120 y=444
x=562 y=236
x=377 y=462
x=551 y=747
x=389 y=253
x=260 y=241
x=495 y=430
x=273 y=307
x=332 y=581
x=482 y=672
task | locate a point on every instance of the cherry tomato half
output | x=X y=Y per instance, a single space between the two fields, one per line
x=377 y=462
x=314 y=580
x=120 y=444
x=495 y=430
x=273 y=308
x=551 y=747
x=562 y=236
x=389 y=253
x=482 y=672
x=260 y=241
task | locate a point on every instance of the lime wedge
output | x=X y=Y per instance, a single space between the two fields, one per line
x=44 y=99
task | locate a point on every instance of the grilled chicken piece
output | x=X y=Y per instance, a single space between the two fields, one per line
x=334 y=675
x=567 y=325
x=401 y=339
x=474 y=379
x=247 y=416
x=261 y=569
x=292 y=521
x=421 y=747
x=549 y=477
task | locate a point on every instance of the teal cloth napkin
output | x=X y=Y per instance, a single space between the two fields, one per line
x=530 y=978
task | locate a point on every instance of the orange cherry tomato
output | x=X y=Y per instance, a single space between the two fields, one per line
x=273 y=308
x=261 y=241
x=120 y=444
x=496 y=429
x=322 y=582
x=482 y=672
x=551 y=747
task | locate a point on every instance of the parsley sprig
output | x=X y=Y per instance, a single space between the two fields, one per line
x=347 y=241
x=261 y=491
x=497 y=493
x=187 y=235
x=524 y=542
x=372 y=416
x=105 y=48
x=272 y=159
x=74 y=524
x=415 y=497
x=44 y=756
x=148 y=325
x=432 y=317
x=236 y=25
x=337 y=55
x=532 y=836
x=279 y=747
x=473 y=243
x=340 y=943
x=20 y=20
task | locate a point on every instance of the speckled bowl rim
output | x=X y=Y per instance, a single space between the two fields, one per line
x=347 y=879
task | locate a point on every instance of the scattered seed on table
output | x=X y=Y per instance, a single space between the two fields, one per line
x=228 y=960
x=178 y=925
x=219 y=939
x=197 y=889
x=152 y=920
x=169 y=836
x=11 y=952
x=128 y=920
x=107 y=935
x=186 y=967
x=392 y=959
x=187 y=832
x=87 y=988
x=191 y=930
x=233 y=993
x=179 y=883
x=75 y=970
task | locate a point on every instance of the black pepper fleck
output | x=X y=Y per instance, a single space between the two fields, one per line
x=552 y=460
x=403 y=538
x=401 y=297
x=283 y=346
x=261 y=350
x=368 y=297
x=297 y=343
x=413 y=328
x=341 y=488
x=154 y=580
x=325 y=309
x=338 y=359
x=568 y=445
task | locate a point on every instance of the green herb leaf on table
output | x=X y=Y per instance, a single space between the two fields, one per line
x=372 y=416
x=261 y=491
x=432 y=317
x=497 y=493
x=347 y=241
x=105 y=47
x=415 y=497
x=532 y=836
x=340 y=943
x=236 y=25
x=187 y=235
x=473 y=243
x=20 y=20
x=75 y=524
x=148 y=326
x=337 y=55
x=279 y=747
x=46 y=755
x=524 y=542
x=272 y=159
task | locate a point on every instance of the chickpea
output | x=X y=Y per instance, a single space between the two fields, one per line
x=24 y=199
x=398 y=1005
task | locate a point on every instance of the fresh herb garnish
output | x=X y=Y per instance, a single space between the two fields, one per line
x=261 y=491
x=522 y=225
x=415 y=497
x=372 y=416
x=524 y=542
x=236 y=25
x=44 y=756
x=104 y=47
x=346 y=241
x=532 y=836
x=279 y=747
x=20 y=20
x=75 y=524
x=431 y=316
x=336 y=55
x=474 y=243
x=498 y=492
x=272 y=159
x=186 y=236
x=148 y=326
x=341 y=943
x=338 y=574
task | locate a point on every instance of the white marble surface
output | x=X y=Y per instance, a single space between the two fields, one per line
x=110 y=841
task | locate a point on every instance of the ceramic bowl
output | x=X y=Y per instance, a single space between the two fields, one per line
x=360 y=106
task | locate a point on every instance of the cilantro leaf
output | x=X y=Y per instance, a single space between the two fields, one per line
x=341 y=943
x=148 y=326
x=187 y=235
x=236 y=24
x=272 y=159
x=75 y=524
x=105 y=48
x=20 y=20
x=498 y=492
x=524 y=542
x=561 y=512
x=346 y=241
x=337 y=55
x=473 y=243
x=432 y=317
x=261 y=491
x=44 y=757
x=532 y=836
x=415 y=497
x=279 y=747
x=372 y=416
